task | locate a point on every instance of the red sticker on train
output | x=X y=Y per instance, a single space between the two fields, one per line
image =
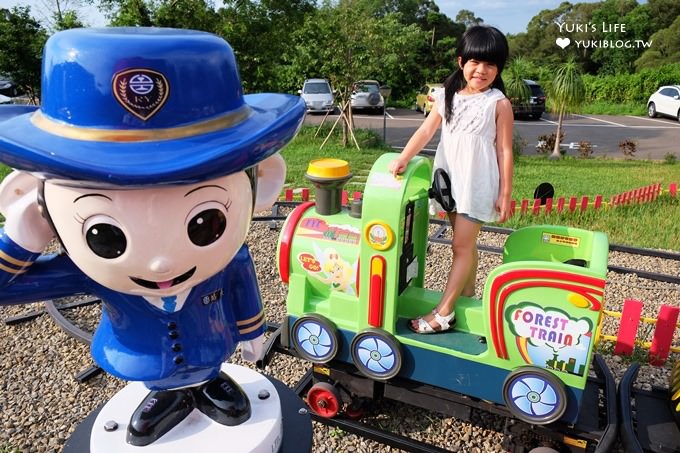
x=309 y=262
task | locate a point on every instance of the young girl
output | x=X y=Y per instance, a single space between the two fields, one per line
x=475 y=149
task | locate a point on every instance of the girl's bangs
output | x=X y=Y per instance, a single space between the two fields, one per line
x=485 y=47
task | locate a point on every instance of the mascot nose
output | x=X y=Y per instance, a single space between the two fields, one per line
x=160 y=265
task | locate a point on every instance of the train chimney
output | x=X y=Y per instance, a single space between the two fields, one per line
x=329 y=177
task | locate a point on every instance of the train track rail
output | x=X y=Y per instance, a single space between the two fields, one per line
x=649 y=422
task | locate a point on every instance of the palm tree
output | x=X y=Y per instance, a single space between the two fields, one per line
x=515 y=89
x=568 y=92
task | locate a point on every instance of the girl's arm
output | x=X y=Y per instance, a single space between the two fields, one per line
x=420 y=138
x=504 y=123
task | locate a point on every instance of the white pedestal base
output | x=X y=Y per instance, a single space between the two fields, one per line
x=197 y=433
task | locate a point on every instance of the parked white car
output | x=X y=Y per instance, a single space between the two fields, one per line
x=318 y=95
x=665 y=101
x=366 y=95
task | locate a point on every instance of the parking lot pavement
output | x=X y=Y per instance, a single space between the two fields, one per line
x=655 y=137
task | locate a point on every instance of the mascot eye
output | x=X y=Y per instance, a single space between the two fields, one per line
x=207 y=226
x=105 y=238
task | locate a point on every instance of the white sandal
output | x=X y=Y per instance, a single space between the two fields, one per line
x=445 y=323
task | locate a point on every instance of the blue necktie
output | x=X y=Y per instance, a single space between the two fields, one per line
x=169 y=303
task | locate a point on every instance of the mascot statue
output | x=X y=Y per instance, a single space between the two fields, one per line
x=146 y=162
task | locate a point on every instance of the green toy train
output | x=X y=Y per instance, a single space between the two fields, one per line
x=356 y=276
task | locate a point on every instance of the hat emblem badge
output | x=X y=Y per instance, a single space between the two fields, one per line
x=142 y=92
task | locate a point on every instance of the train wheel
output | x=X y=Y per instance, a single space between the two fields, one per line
x=354 y=410
x=324 y=400
x=534 y=395
x=315 y=338
x=376 y=354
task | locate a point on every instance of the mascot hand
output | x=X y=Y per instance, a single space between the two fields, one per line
x=253 y=350
x=24 y=222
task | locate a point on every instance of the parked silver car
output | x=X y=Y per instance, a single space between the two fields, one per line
x=665 y=101
x=366 y=95
x=318 y=95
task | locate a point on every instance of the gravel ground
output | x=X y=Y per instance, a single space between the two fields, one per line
x=41 y=403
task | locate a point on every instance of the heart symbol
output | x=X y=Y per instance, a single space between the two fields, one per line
x=562 y=42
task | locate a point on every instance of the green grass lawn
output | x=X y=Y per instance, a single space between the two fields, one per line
x=654 y=225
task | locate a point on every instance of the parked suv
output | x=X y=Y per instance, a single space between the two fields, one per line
x=535 y=106
x=8 y=87
x=366 y=95
x=318 y=95
x=665 y=101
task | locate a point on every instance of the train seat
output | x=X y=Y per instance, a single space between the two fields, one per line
x=558 y=244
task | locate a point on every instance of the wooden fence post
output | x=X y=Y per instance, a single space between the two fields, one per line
x=663 y=334
x=630 y=320
x=548 y=205
x=525 y=206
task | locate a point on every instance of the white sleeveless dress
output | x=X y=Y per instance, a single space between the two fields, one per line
x=467 y=151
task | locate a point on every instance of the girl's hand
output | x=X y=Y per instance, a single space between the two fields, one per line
x=503 y=205
x=397 y=166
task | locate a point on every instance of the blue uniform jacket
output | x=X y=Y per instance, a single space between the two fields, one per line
x=136 y=341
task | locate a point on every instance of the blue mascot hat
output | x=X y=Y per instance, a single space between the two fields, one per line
x=138 y=106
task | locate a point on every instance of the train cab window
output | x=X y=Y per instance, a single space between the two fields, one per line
x=408 y=265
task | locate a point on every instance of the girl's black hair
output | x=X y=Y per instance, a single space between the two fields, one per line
x=481 y=43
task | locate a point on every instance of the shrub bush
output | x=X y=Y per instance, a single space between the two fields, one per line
x=546 y=143
x=628 y=147
x=630 y=88
x=585 y=149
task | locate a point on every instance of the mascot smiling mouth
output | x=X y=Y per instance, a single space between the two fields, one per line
x=164 y=284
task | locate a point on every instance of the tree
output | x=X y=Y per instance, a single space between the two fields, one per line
x=57 y=15
x=665 y=48
x=22 y=39
x=663 y=13
x=617 y=60
x=468 y=18
x=191 y=14
x=128 y=12
x=567 y=92
x=67 y=20
x=513 y=78
x=262 y=34
x=345 y=41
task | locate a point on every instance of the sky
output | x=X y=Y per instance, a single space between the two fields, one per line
x=510 y=16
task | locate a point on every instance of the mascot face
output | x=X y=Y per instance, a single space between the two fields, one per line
x=155 y=241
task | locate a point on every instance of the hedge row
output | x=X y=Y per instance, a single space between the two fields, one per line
x=630 y=88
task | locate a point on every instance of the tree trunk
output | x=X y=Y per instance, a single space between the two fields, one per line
x=556 y=150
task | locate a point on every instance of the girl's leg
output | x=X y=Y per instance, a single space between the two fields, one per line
x=471 y=283
x=463 y=272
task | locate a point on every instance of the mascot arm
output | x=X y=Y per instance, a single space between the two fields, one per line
x=247 y=305
x=49 y=277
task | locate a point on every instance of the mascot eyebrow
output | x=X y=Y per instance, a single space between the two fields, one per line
x=92 y=195
x=204 y=187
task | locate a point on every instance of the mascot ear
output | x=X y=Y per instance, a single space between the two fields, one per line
x=24 y=223
x=15 y=186
x=271 y=174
